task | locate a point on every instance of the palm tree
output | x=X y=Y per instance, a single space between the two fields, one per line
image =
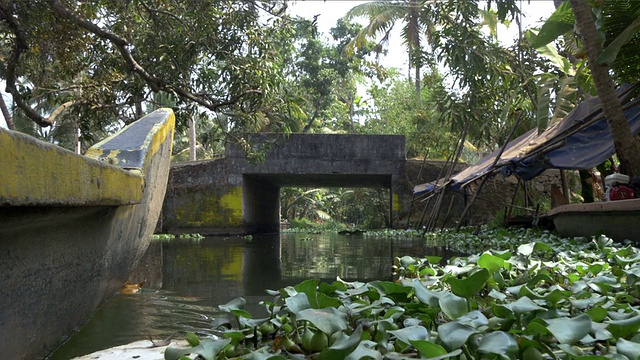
x=627 y=148
x=383 y=15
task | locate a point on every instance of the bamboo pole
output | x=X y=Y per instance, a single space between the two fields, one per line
x=485 y=177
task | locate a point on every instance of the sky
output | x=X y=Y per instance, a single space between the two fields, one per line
x=330 y=11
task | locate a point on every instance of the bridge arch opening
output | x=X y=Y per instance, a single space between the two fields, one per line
x=261 y=200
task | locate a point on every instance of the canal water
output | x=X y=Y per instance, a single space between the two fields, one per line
x=186 y=280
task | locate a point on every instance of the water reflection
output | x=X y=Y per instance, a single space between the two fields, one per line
x=187 y=280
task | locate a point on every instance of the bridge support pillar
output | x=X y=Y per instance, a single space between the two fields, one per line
x=260 y=205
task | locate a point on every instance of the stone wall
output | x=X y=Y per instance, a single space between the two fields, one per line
x=200 y=199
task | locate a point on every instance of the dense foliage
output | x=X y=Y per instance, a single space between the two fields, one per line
x=322 y=208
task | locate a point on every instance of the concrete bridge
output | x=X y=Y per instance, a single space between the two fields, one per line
x=233 y=195
x=237 y=195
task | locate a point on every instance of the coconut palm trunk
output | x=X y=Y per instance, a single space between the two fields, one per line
x=627 y=148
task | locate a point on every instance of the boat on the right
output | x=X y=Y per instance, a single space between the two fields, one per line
x=619 y=220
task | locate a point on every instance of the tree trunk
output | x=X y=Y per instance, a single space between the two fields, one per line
x=138 y=105
x=7 y=115
x=627 y=148
x=418 y=84
x=76 y=138
x=192 y=140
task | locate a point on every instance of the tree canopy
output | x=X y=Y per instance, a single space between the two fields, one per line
x=105 y=62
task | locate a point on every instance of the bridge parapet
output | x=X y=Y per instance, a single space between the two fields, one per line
x=322 y=154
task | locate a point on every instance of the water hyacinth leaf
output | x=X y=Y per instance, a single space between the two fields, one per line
x=234 y=335
x=343 y=347
x=426 y=296
x=597 y=313
x=237 y=303
x=394 y=312
x=288 y=291
x=328 y=320
x=570 y=330
x=539 y=277
x=309 y=287
x=528 y=249
x=252 y=322
x=458 y=270
x=453 y=306
x=499 y=343
x=339 y=285
x=327 y=289
x=580 y=303
x=328 y=301
x=536 y=328
x=627 y=260
x=595 y=269
x=236 y=307
x=411 y=322
x=504 y=254
x=264 y=354
x=625 y=327
x=433 y=259
x=297 y=303
x=407 y=334
x=553 y=296
x=633 y=275
x=454 y=334
x=407 y=261
x=627 y=348
x=471 y=285
x=522 y=305
x=620 y=315
x=491 y=262
x=603 y=284
x=208 y=349
x=497 y=295
x=221 y=321
x=352 y=284
x=358 y=307
x=360 y=290
x=427 y=349
x=475 y=319
x=366 y=349
x=427 y=272
x=390 y=287
x=599 y=332
x=574 y=352
x=515 y=290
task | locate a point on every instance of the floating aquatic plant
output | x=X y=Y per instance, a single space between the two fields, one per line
x=533 y=296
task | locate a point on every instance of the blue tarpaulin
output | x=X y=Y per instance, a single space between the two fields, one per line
x=580 y=141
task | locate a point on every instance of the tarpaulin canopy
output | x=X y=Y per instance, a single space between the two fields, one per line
x=580 y=141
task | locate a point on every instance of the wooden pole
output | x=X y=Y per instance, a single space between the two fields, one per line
x=485 y=177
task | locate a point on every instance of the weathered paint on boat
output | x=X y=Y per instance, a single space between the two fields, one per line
x=617 y=219
x=73 y=227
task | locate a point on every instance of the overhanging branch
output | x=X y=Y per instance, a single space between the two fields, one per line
x=20 y=45
x=156 y=84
